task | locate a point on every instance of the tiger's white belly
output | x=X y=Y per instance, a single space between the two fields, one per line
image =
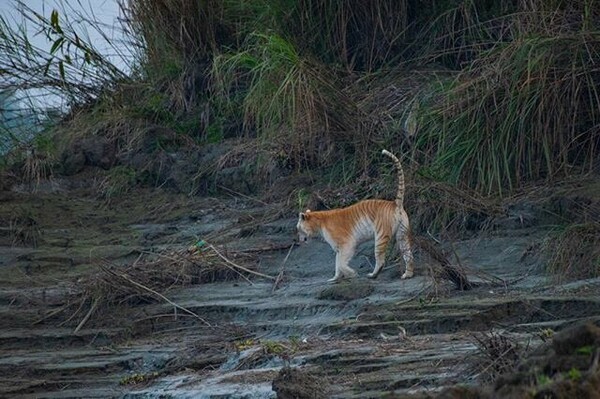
x=363 y=231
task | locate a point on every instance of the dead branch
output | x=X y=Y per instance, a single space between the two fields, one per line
x=447 y=270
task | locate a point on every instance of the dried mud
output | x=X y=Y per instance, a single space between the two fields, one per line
x=301 y=337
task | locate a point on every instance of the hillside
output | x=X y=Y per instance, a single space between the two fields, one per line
x=147 y=227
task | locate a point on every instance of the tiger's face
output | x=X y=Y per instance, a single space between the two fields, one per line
x=305 y=228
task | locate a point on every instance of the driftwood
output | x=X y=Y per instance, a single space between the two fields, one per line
x=446 y=270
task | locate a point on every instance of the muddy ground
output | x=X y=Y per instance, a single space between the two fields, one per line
x=231 y=339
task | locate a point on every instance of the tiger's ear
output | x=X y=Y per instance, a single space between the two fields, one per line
x=304 y=215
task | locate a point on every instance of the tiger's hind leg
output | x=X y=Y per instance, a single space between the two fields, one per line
x=381 y=244
x=403 y=242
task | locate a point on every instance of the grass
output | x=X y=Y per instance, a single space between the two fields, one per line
x=119 y=181
x=443 y=207
x=357 y=37
x=460 y=31
x=147 y=280
x=498 y=354
x=69 y=66
x=37 y=167
x=574 y=253
x=24 y=228
x=523 y=110
x=285 y=98
x=473 y=95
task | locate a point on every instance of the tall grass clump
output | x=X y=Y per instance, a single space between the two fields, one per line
x=522 y=111
x=454 y=33
x=176 y=41
x=287 y=100
x=482 y=94
x=575 y=252
x=359 y=36
x=180 y=42
x=279 y=61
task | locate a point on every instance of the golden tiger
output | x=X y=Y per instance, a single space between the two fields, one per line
x=345 y=228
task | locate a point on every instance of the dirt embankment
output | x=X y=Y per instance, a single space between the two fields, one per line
x=106 y=298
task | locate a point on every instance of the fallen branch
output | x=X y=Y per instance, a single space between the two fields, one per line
x=281 y=273
x=267 y=248
x=153 y=292
x=88 y=315
x=241 y=267
x=230 y=191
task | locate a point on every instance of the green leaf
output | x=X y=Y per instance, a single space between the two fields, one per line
x=585 y=350
x=56 y=45
x=47 y=67
x=61 y=69
x=54 y=22
x=574 y=374
x=54 y=18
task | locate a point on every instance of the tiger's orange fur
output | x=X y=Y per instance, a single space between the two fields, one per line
x=345 y=228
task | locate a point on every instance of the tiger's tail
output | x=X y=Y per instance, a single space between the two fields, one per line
x=400 y=192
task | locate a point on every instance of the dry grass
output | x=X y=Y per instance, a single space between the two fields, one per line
x=575 y=252
x=25 y=229
x=150 y=279
x=525 y=111
x=437 y=206
x=37 y=167
x=285 y=98
x=358 y=36
x=498 y=354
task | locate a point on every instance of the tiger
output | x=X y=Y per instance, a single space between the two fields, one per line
x=345 y=228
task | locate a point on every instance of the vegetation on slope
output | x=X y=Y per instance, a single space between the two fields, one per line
x=476 y=95
x=505 y=94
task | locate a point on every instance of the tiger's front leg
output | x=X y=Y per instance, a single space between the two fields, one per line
x=342 y=269
x=337 y=274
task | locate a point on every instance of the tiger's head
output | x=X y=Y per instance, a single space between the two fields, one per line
x=306 y=226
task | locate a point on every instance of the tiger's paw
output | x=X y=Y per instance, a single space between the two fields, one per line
x=350 y=273
x=407 y=274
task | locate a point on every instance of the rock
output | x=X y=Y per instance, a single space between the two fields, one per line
x=567 y=368
x=347 y=290
x=237 y=178
x=98 y=151
x=89 y=151
x=7 y=180
x=572 y=340
x=72 y=162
